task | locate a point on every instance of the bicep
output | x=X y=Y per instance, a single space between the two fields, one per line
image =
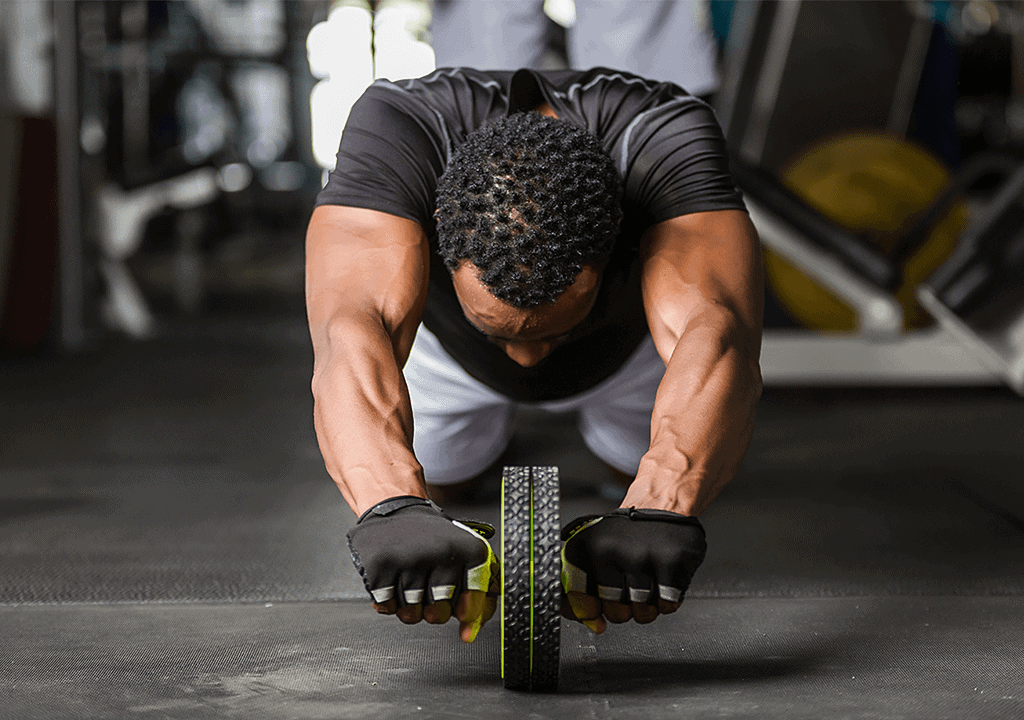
x=365 y=266
x=707 y=262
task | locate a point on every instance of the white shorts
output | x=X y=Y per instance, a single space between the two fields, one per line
x=462 y=426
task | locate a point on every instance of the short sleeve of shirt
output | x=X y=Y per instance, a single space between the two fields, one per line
x=667 y=145
x=673 y=162
x=390 y=158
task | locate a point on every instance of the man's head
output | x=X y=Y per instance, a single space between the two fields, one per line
x=524 y=206
x=529 y=200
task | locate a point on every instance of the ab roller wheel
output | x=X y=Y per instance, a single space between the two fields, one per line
x=531 y=568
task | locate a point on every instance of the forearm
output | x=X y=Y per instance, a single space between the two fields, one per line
x=363 y=416
x=703 y=416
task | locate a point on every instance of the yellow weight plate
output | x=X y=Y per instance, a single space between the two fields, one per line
x=872 y=184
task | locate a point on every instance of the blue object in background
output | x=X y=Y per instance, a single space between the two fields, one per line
x=721 y=19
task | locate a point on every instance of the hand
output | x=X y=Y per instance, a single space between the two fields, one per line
x=419 y=564
x=627 y=564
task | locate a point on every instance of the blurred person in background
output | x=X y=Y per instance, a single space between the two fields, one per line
x=669 y=40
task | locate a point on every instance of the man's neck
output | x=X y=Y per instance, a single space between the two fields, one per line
x=545 y=109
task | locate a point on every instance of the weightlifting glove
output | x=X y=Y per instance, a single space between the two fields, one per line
x=632 y=555
x=406 y=548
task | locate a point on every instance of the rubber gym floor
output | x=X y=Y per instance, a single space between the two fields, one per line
x=172 y=547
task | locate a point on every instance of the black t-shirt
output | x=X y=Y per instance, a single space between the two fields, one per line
x=666 y=144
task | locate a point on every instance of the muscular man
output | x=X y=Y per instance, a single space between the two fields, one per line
x=572 y=240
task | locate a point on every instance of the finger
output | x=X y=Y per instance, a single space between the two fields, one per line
x=413 y=596
x=616 y=612
x=670 y=593
x=410 y=614
x=644 y=613
x=470 y=611
x=386 y=608
x=490 y=606
x=439 y=597
x=585 y=607
x=469 y=605
x=639 y=591
x=638 y=585
x=587 y=610
x=438 y=613
x=567 y=612
x=383 y=594
x=442 y=592
x=638 y=595
x=610 y=593
x=410 y=594
x=597 y=625
x=665 y=607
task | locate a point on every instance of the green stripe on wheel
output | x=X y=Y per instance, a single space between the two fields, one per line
x=531 y=572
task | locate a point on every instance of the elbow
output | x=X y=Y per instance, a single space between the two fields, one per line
x=745 y=345
x=744 y=371
x=741 y=344
x=732 y=333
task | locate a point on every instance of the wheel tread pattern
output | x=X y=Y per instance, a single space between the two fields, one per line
x=547 y=584
x=515 y=573
x=531 y=576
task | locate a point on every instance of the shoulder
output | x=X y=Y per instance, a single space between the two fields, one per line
x=614 y=105
x=615 y=91
x=599 y=80
x=449 y=78
x=462 y=90
x=666 y=144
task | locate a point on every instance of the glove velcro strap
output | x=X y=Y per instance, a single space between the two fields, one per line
x=640 y=514
x=393 y=505
x=386 y=507
x=636 y=514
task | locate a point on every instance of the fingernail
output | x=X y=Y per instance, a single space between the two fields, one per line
x=474 y=615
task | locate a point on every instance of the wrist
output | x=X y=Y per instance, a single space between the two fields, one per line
x=363 y=490
x=662 y=486
x=393 y=505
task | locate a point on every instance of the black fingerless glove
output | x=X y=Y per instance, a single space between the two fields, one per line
x=632 y=555
x=406 y=548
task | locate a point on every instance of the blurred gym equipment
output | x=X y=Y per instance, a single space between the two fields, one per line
x=854 y=216
x=875 y=186
x=189 y=115
x=978 y=293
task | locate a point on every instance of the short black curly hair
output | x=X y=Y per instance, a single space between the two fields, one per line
x=529 y=200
